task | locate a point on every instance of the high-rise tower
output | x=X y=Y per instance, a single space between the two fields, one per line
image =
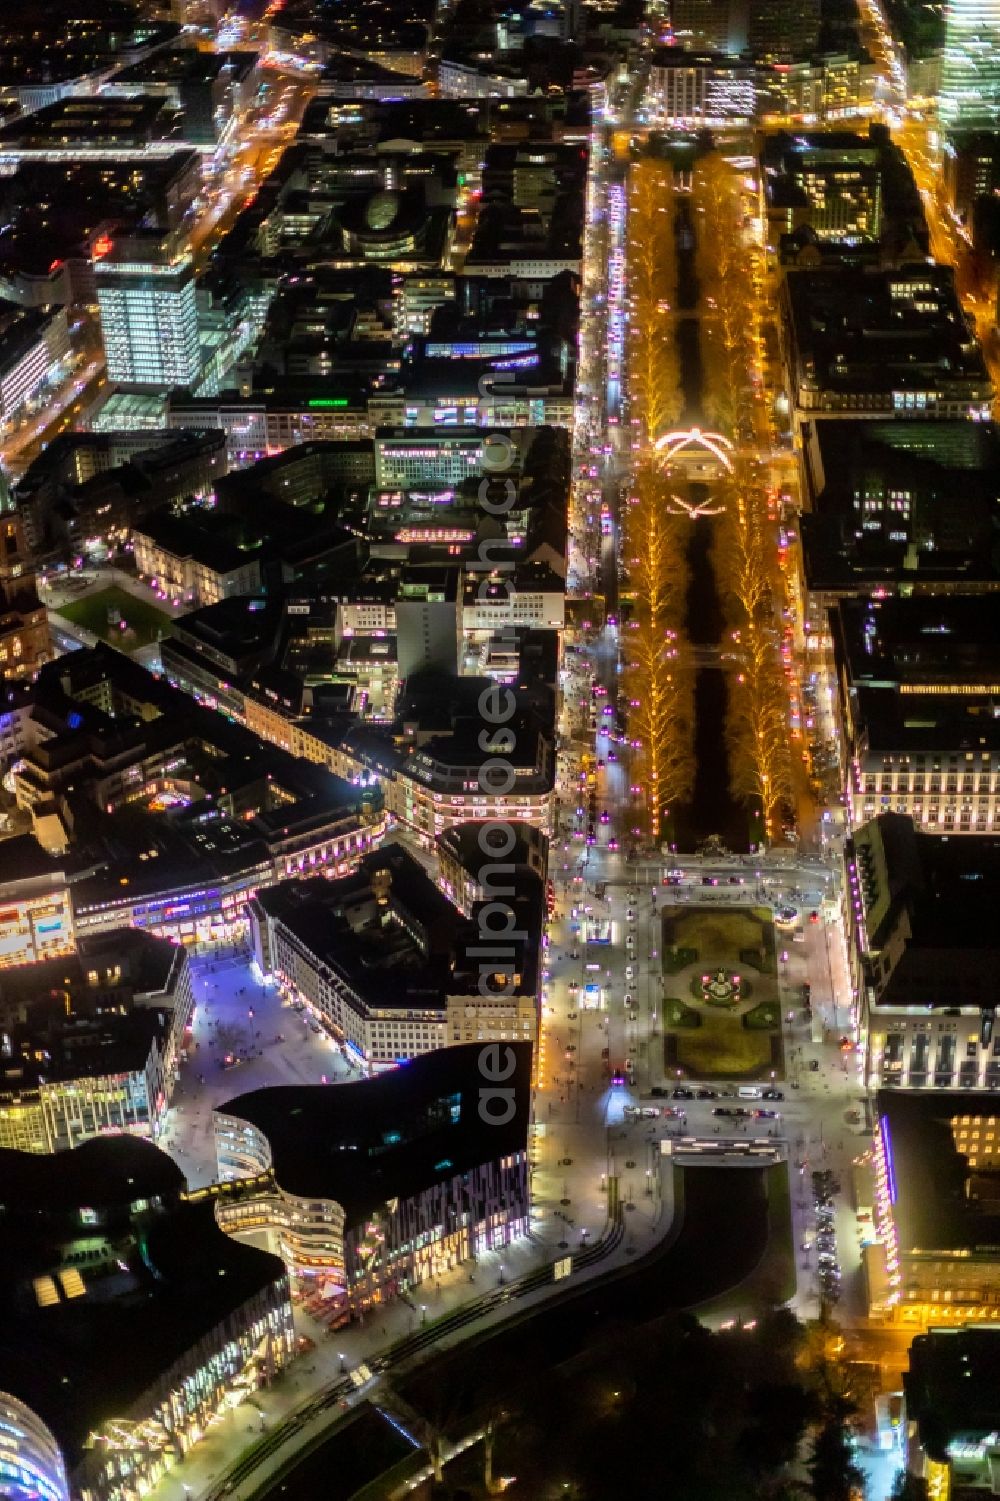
x=970 y=73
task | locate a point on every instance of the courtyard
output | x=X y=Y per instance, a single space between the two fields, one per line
x=117 y=617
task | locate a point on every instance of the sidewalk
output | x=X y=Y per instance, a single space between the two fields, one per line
x=343 y=1351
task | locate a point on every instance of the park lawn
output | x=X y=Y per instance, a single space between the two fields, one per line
x=717 y=933
x=763 y=1018
x=722 y=1046
x=145 y=621
x=677 y=1014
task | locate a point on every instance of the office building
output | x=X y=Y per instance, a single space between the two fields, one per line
x=375 y=1187
x=31 y=1462
x=969 y=97
x=893 y=503
x=34 y=346
x=971 y=167
x=922 y=953
x=131 y=1321
x=782 y=30
x=709 y=88
x=86 y=491
x=710 y=25
x=149 y=319
x=92 y=1041
x=839 y=198
x=880 y=343
x=936 y=1260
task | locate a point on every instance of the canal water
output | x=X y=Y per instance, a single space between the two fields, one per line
x=711 y=809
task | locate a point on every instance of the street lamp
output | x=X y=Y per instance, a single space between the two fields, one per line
x=343 y=1362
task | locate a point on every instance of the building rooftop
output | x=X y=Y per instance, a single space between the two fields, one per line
x=93 y=121
x=83 y=1016
x=953 y=1387
x=872 y=330
x=186 y=65
x=944 y=890
x=941 y=1202
x=170 y=1276
x=924 y=642
x=390 y=1136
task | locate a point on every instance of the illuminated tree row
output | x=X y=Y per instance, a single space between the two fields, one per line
x=658 y=681
x=757 y=724
x=726 y=262
x=746 y=553
x=653 y=363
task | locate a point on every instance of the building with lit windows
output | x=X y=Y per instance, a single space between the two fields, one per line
x=701 y=89
x=34 y=345
x=969 y=96
x=867 y=343
x=923 y=955
x=36 y=909
x=953 y=1411
x=387 y=964
x=375 y=1187
x=919 y=681
x=149 y=317
x=782 y=30
x=131 y=1321
x=92 y=1041
x=31 y=1463
x=936 y=1158
x=171 y=814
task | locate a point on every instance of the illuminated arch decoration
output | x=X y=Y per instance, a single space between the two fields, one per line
x=681 y=507
x=671 y=445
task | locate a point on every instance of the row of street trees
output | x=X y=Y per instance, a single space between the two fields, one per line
x=657 y=680
x=746 y=551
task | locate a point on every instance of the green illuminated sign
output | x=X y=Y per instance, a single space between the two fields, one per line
x=329 y=401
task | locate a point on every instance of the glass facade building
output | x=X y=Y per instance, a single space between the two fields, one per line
x=970 y=77
x=149 y=316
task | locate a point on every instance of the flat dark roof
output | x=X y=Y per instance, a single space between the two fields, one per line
x=933 y=1209
x=334 y=1140
x=953 y=1385
x=87 y=1359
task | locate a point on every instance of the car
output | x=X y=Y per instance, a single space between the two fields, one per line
x=658 y=1091
x=710 y=880
x=672 y=880
x=605 y=816
x=766 y=1115
x=772 y=1094
x=630 y=915
x=681 y=1093
x=650 y=1112
x=786 y=916
x=722 y=1110
x=814 y=917
x=705 y=1094
x=735 y=880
